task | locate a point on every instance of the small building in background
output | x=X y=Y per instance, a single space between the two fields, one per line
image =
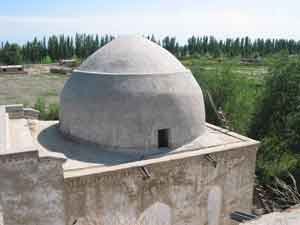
x=12 y=69
x=61 y=70
x=251 y=61
x=68 y=62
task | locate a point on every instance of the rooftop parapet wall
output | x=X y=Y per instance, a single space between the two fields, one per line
x=16 y=133
x=175 y=191
x=3 y=130
x=216 y=140
x=18 y=112
x=31 y=187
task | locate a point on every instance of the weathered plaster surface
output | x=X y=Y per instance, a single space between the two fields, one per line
x=180 y=187
x=31 y=190
x=94 y=187
x=126 y=111
x=31 y=186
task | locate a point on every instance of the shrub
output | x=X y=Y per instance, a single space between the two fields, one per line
x=40 y=106
x=46 y=60
x=53 y=112
x=47 y=113
x=78 y=61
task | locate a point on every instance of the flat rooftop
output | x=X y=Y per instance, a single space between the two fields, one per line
x=19 y=134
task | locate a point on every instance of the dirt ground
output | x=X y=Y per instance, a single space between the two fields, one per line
x=25 y=89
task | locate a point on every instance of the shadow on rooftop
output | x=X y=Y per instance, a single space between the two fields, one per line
x=52 y=140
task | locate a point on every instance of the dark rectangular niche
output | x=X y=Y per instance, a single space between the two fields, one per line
x=163 y=138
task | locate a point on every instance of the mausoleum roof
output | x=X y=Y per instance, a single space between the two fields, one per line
x=127 y=92
x=132 y=55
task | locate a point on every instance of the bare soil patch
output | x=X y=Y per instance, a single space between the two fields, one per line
x=25 y=89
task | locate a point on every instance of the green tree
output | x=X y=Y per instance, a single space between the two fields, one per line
x=277 y=121
x=11 y=54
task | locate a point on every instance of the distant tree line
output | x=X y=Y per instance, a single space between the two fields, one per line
x=230 y=47
x=81 y=45
x=52 y=49
x=244 y=47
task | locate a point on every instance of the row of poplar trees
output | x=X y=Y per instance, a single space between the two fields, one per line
x=82 y=45
x=52 y=49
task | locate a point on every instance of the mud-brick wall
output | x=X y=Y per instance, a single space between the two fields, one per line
x=31 y=190
x=187 y=191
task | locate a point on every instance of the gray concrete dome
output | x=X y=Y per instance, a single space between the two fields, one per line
x=134 y=95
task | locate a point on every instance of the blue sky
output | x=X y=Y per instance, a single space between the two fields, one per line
x=23 y=20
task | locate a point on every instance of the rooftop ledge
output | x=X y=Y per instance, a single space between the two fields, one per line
x=22 y=132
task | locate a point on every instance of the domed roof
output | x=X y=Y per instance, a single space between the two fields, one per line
x=132 y=55
x=132 y=95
